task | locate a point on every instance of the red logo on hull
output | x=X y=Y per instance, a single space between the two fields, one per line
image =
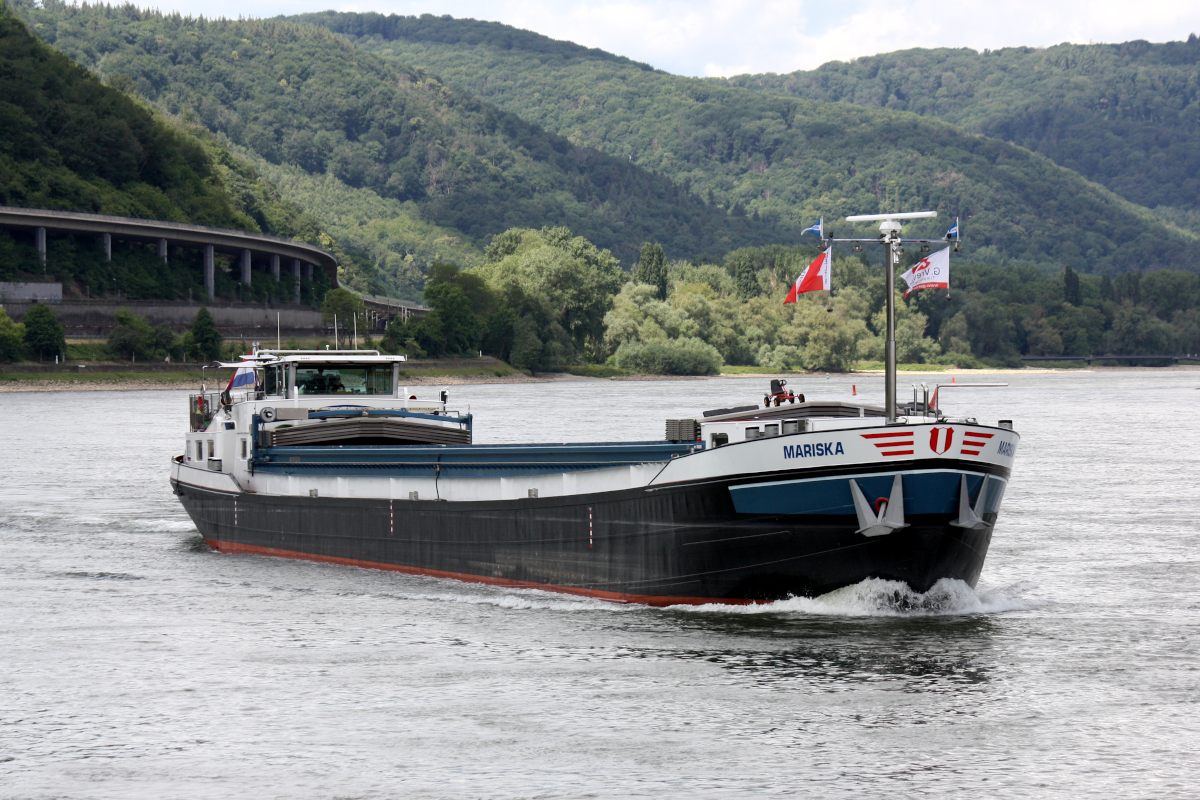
x=940 y=439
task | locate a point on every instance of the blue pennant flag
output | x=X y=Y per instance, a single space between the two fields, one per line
x=818 y=229
x=953 y=232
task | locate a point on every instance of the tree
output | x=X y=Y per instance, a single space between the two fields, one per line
x=343 y=304
x=341 y=307
x=44 y=334
x=12 y=338
x=206 y=339
x=652 y=268
x=463 y=302
x=132 y=337
x=1071 y=291
x=562 y=284
x=460 y=326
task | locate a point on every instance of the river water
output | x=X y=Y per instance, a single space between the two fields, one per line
x=135 y=663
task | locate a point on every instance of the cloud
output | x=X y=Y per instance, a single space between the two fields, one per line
x=727 y=37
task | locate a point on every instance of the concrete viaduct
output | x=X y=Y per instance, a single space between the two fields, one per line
x=241 y=244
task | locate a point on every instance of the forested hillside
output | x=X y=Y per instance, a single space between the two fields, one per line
x=298 y=95
x=768 y=155
x=69 y=142
x=1124 y=115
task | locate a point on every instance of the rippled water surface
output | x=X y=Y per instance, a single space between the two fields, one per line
x=135 y=663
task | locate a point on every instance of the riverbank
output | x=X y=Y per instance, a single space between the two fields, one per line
x=130 y=382
x=11 y=382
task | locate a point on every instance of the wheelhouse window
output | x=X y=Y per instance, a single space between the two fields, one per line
x=273 y=382
x=344 y=379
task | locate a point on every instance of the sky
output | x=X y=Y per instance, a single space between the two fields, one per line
x=731 y=37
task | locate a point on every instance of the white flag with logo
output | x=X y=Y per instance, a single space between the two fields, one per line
x=932 y=272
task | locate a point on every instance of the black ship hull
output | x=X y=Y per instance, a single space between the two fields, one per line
x=660 y=545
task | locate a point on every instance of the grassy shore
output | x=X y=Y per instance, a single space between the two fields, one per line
x=133 y=381
x=136 y=381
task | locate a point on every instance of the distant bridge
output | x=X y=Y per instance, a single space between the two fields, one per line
x=1089 y=359
x=383 y=310
x=247 y=246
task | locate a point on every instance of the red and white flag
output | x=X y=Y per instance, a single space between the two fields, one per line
x=813 y=279
x=932 y=272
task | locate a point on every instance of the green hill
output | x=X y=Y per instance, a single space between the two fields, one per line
x=69 y=142
x=1124 y=115
x=777 y=157
x=299 y=95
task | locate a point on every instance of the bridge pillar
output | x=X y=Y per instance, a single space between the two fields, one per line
x=209 y=272
x=275 y=266
x=162 y=250
x=309 y=269
x=39 y=238
x=108 y=247
x=296 y=275
x=246 y=267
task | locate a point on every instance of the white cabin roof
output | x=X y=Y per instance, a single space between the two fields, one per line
x=265 y=357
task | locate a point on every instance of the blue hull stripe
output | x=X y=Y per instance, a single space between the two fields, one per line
x=925 y=492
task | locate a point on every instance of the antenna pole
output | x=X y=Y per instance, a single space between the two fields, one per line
x=893 y=260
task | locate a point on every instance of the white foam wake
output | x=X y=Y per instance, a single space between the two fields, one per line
x=879 y=598
x=515 y=599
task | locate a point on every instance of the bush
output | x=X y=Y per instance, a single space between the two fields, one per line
x=12 y=338
x=596 y=371
x=958 y=360
x=87 y=351
x=685 y=356
x=1005 y=361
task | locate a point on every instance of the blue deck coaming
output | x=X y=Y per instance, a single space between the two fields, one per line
x=926 y=491
x=463 y=461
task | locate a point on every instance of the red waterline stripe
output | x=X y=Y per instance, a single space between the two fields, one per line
x=982 y=435
x=615 y=597
x=883 y=435
x=899 y=453
x=970 y=452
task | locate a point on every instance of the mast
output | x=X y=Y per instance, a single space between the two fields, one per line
x=889 y=237
x=889 y=231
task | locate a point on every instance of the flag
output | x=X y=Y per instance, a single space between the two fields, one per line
x=932 y=272
x=953 y=232
x=244 y=376
x=813 y=279
x=818 y=229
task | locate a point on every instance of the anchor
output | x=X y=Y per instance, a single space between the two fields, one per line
x=888 y=519
x=971 y=517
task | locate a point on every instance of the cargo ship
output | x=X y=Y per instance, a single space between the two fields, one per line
x=324 y=455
